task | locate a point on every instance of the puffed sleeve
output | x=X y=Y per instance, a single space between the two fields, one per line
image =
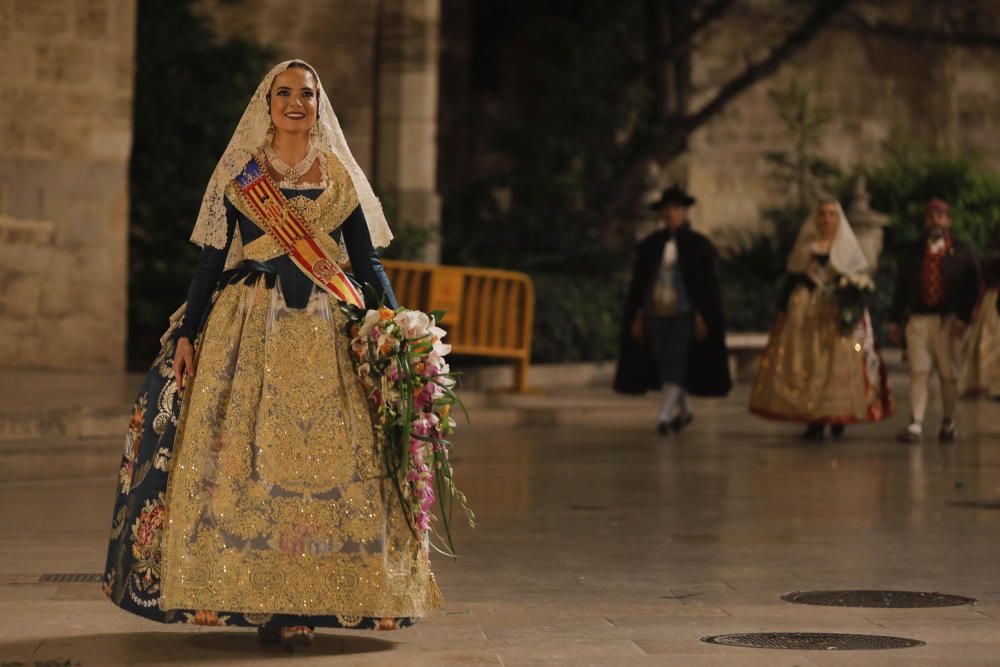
x=365 y=262
x=211 y=262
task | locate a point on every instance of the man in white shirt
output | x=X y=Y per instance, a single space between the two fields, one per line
x=936 y=292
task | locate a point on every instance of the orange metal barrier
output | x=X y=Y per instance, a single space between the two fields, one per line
x=489 y=312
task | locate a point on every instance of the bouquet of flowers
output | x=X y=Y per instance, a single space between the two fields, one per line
x=399 y=358
x=853 y=291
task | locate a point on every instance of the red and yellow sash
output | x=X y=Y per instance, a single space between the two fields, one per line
x=292 y=234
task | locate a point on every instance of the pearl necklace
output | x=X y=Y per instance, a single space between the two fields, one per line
x=290 y=174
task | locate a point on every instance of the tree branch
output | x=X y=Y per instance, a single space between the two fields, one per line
x=792 y=43
x=675 y=48
x=663 y=143
x=958 y=38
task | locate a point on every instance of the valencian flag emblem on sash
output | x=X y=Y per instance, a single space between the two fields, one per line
x=297 y=239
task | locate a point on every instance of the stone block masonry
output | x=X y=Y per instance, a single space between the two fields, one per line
x=943 y=96
x=66 y=77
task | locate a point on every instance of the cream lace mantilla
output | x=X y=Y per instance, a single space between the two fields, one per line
x=251 y=133
x=846 y=255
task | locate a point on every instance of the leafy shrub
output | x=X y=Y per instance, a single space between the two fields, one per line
x=907 y=180
x=577 y=317
x=752 y=268
x=903 y=184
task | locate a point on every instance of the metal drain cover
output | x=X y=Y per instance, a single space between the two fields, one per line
x=71 y=578
x=813 y=641
x=877 y=599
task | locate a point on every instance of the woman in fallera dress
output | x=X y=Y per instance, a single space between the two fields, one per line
x=814 y=371
x=252 y=490
x=981 y=357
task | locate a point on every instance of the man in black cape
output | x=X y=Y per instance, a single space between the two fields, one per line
x=673 y=331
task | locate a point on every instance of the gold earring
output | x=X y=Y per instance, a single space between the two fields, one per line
x=313 y=131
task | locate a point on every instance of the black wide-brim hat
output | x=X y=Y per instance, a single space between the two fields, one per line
x=673 y=195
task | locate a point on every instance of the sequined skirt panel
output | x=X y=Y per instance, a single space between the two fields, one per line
x=813 y=372
x=269 y=503
x=981 y=356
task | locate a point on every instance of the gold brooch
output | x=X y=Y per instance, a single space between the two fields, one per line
x=305 y=208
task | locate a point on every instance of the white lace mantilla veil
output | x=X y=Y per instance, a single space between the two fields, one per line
x=251 y=132
x=846 y=255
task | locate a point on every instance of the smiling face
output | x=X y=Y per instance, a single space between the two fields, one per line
x=294 y=100
x=827 y=219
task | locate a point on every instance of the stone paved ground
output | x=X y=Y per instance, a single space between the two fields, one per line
x=599 y=543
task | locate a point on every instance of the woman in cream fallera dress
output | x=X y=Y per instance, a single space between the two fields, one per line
x=981 y=355
x=812 y=371
x=256 y=494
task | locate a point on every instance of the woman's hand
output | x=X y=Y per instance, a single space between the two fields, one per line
x=183 y=362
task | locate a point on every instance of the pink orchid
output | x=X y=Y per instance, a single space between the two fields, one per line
x=405 y=348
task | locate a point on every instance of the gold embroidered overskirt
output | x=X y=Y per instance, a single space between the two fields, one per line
x=278 y=500
x=813 y=372
x=981 y=357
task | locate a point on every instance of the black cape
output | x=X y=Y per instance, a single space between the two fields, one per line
x=708 y=361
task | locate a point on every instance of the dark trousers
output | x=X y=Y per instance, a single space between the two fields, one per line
x=670 y=339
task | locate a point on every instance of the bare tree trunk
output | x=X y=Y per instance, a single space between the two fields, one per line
x=679 y=67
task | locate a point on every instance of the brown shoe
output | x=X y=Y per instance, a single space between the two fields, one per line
x=909 y=437
x=296 y=635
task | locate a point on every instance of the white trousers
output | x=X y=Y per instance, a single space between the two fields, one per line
x=931 y=346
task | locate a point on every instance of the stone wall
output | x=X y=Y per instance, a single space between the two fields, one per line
x=66 y=72
x=408 y=114
x=945 y=97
